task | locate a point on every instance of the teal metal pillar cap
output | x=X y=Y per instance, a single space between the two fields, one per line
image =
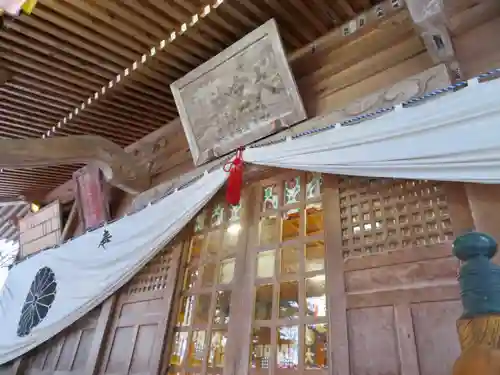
x=474 y=244
x=479 y=278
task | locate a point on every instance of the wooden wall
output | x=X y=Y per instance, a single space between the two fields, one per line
x=475 y=26
x=40 y=230
x=346 y=70
x=332 y=79
x=401 y=304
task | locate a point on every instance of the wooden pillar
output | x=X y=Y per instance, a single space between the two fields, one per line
x=92 y=204
x=484 y=202
x=479 y=285
x=240 y=325
x=91 y=196
x=339 y=360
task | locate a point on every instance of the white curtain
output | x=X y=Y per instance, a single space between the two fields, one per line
x=11 y=7
x=49 y=291
x=452 y=138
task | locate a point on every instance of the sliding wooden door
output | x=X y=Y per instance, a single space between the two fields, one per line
x=287 y=307
x=208 y=283
x=324 y=275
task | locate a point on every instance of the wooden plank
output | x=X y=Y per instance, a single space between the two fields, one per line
x=470 y=15
x=334 y=267
x=484 y=202
x=399 y=256
x=459 y=209
x=405 y=333
x=69 y=222
x=240 y=325
x=176 y=299
x=168 y=317
x=388 y=33
x=101 y=330
x=434 y=293
x=355 y=28
x=19 y=366
x=403 y=48
x=476 y=58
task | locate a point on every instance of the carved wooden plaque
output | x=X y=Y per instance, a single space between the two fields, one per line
x=244 y=93
x=40 y=230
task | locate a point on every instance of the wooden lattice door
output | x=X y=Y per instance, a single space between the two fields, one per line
x=138 y=328
x=288 y=308
x=202 y=334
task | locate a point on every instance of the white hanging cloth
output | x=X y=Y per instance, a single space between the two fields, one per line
x=452 y=138
x=12 y=7
x=51 y=290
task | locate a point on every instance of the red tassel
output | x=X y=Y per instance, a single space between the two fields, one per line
x=235 y=179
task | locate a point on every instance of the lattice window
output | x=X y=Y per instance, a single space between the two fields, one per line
x=387 y=214
x=290 y=322
x=202 y=323
x=154 y=275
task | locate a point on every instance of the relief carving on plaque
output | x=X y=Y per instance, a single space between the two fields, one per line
x=241 y=95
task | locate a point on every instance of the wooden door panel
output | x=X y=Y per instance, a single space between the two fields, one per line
x=135 y=341
x=373 y=341
x=436 y=335
x=67 y=352
x=401 y=287
x=402 y=309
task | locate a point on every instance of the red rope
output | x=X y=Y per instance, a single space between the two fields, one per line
x=235 y=180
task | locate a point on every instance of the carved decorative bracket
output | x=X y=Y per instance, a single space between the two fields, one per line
x=119 y=168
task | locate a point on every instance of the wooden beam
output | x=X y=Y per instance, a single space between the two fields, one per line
x=152 y=152
x=103 y=324
x=417 y=85
x=360 y=25
x=119 y=168
x=69 y=222
x=12 y=201
x=8 y=214
x=11 y=234
x=5 y=75
x=63 y=193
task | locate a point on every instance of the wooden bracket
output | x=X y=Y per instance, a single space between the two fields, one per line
x=119 y=168
x=432 y=22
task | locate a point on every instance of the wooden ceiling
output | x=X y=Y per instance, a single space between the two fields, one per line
x=54 y=60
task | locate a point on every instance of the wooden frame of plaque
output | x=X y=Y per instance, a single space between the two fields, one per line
x=244 y=93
